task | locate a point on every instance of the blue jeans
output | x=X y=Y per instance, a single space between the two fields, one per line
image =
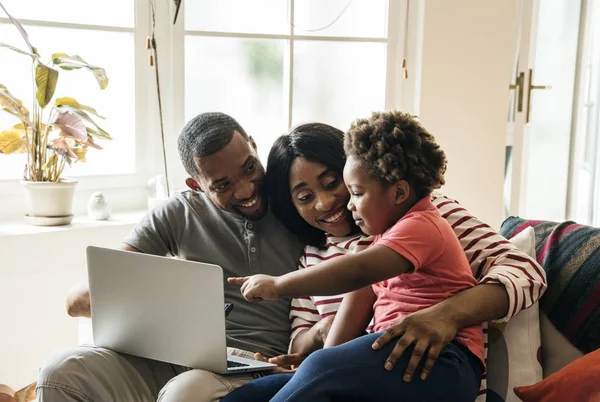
x=354 y=372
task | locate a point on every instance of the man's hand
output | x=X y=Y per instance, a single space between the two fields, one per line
x=428 y=330
x=257 y=287
x=285 y=363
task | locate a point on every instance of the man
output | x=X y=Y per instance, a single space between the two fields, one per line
x=222 y=220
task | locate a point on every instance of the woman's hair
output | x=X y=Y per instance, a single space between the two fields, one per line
x=315 y=142
x=395 y=146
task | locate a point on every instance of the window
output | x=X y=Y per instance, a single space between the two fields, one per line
x=102 y=37
x=273 y=64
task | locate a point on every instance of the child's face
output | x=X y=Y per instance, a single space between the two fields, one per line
x=373 y=205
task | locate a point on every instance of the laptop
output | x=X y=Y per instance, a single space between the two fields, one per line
x=163 y=309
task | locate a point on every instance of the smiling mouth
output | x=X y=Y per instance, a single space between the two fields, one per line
x=250 y=203
x=335 y=216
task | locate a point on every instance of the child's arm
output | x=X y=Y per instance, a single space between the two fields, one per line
x=352 y=318
x=336 y=276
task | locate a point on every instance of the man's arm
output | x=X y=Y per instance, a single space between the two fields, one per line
x=78 y=299
x=352 y=318
x=431 y=329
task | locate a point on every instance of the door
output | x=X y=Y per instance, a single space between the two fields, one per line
x=541 y=108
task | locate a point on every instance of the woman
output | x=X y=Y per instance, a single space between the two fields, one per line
x=304 y=180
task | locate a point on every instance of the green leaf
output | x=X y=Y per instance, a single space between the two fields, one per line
x=73 y=102
x=12 y=105
x=66 y=62
x=99 y=132
x=81 y=152
x=20 y=29
x=15 y=49
x=12 y=141
x=45 y=80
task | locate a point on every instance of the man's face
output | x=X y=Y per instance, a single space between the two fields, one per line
x=233 y=178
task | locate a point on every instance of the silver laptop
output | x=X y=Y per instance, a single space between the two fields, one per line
x=162 y=309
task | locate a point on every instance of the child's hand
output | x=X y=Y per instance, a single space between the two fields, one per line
x=257 y=287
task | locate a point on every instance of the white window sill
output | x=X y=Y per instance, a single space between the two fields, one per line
x=19 y=227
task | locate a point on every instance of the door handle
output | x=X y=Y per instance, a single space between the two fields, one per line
x=518 y=85
x=531 y=87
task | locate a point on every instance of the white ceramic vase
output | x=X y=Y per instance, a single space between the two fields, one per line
x=50 y=203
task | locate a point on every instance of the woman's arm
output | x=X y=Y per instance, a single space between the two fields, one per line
x=308 y=328
x=352 y=318
x=312 y=339
x=495 y=260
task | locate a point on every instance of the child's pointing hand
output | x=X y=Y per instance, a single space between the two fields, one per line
x=257 y=287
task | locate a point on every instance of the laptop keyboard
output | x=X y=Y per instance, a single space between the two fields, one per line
x=231 y=364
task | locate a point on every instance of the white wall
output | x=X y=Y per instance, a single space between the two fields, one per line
x=36 y=272
x=467 y=52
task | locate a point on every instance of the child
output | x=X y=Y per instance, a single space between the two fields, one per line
x=416 y=261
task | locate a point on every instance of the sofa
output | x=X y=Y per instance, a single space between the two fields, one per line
x=565 y=324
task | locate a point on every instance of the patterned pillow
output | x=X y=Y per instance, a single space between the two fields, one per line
x=570 y=255
x=514 y=348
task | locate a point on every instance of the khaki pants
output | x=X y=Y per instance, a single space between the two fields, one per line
x=90 y=374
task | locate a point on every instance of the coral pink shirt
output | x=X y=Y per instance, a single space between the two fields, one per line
x=441 y=270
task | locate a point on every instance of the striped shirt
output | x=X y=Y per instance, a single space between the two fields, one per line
x=492 y=258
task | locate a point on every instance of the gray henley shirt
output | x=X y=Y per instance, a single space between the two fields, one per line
x=189 y=226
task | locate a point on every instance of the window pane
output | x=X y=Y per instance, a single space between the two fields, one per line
x=113 y=51
x=256 y=16
x=367 y=18
x=118 y=13
x=336 y=83
x=240 y=77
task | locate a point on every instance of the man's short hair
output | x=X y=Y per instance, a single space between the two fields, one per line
x=205 y=135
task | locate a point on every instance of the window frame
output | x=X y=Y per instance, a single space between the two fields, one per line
x=127 y=191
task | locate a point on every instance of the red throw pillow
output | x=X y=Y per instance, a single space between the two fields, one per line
x=578 y=381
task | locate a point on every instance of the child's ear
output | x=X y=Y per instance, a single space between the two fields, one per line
x=402 y=191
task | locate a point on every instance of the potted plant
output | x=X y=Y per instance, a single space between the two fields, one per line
x=53 y=134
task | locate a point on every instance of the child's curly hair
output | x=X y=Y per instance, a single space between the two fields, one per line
x=395 y=146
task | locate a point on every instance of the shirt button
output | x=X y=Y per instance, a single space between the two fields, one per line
x=253 y=249
x=249 y=226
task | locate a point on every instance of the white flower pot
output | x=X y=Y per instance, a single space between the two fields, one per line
x=49 y=203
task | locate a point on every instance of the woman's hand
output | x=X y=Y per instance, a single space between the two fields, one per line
x=322 y=329
x=429 y=330
x=285 y=363
x=257 y=288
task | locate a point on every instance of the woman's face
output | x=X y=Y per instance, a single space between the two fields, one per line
x=320 y=196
